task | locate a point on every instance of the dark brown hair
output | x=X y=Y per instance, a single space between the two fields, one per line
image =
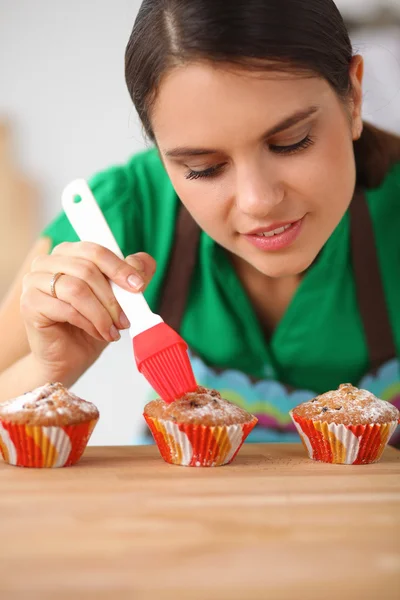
x=307 y=35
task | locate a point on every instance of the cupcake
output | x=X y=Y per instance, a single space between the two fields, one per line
x=201 y=429
x=49 y=427
x=347 y=426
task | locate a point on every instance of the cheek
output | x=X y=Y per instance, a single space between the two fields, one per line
x=206 y=200
x=338 y=171
x=325 y=177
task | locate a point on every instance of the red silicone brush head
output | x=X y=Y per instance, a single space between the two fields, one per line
x=161 y=356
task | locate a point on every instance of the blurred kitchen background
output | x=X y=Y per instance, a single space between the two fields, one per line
x=65 y=113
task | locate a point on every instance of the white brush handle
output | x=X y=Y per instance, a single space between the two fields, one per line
x=90 y=225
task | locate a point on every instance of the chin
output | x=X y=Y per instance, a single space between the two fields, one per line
x=284 y=266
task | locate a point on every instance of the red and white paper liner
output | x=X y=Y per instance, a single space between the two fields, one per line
x=198 y=445
x=36 y=446
x=343 y=444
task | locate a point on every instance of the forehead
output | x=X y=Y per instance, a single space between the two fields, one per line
x=198 y=99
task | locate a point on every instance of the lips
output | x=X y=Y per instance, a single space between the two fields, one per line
x=272 y=228
x=276 y=231
x=276 y=236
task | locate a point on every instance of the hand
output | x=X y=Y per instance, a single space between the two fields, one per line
x=68 y=333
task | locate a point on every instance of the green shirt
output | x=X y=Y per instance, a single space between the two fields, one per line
x=320 y=341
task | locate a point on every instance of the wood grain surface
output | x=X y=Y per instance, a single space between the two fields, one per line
x=273 y=525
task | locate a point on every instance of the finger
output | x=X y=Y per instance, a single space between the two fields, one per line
x=42 y=311
x=80 y=296
x=148 y=266
x=88 y=272
x=147 y=262
x=116 y=269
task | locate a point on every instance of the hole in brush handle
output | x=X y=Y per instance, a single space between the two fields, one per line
x=90 y=225
x=86 y=217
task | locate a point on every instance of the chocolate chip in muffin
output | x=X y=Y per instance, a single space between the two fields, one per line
x=194 y=404
x=348 y=406
x=50 y=405
x=203 y=406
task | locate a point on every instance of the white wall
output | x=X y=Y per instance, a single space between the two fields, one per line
x=362 y=9
x=62 y=87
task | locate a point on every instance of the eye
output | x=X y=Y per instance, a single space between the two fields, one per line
x=293 y=148
x=210 y=172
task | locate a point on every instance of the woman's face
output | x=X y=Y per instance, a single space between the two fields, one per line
x=263 y=162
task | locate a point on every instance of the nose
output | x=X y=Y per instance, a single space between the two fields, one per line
x=258 y=190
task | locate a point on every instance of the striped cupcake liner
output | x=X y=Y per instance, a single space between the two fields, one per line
x=38 y=446
x=198 y=445
x=343 y=444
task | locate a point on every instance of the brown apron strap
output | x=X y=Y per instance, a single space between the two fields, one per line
x=175 y=292
x=369 y=288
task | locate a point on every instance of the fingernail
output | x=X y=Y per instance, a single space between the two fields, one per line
x=115 y=334
x=135 y=282
x=124 y=321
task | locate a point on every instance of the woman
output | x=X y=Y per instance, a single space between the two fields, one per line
x=279 y=262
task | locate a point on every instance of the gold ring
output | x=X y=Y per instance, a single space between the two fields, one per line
x=53 y=282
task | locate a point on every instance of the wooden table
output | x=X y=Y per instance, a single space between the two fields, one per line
x=272 y=526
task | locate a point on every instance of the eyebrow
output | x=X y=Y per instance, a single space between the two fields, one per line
x=294 y=119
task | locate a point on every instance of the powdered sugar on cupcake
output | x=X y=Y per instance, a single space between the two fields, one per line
x=50 y=404
x=350 y=406
x=203 y=406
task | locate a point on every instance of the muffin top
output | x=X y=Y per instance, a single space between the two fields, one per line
x=202 y=407
x=49 y=405
x=348 y=405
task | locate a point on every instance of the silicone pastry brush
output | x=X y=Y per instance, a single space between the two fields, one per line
x=160 y=352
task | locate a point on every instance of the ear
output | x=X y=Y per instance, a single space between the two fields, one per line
x=356 y=74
